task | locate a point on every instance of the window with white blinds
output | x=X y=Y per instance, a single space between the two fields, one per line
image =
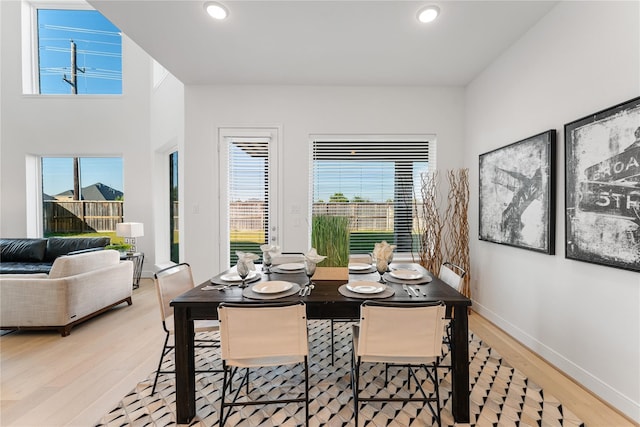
x=375 y=184
x=248 y=194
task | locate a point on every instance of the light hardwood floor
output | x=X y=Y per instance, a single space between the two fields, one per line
x=47 y=380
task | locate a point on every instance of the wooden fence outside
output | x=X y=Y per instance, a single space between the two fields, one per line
x=362 y=216
x=81 y=216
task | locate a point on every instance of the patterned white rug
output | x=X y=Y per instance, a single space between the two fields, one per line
x=500 y=395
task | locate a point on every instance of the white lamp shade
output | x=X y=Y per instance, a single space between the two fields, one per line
x=130 y=229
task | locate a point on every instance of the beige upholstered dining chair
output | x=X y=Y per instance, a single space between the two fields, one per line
x=286 y=257
x=388 y=334
x=248 y=339
x=171 y=282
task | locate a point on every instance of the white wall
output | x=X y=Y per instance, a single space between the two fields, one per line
x=84 y=126
x=300 y=111
x=581 y=58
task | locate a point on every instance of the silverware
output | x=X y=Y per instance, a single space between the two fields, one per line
x=406 y=289
x=415 y=290
x=302 y=291
x=311 y=286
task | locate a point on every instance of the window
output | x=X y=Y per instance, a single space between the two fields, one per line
x=81 y=195
x=374 y=184
x=174 y=212
x=74 y=51
x=248 y=195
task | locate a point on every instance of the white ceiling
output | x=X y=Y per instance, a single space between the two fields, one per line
x=324 y=42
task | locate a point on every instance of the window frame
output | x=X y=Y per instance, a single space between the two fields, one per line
x=29 y=39
x=429 y=139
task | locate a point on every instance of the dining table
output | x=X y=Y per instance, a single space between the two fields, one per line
x=327 y=300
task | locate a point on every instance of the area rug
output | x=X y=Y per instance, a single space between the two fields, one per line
x=500 y=395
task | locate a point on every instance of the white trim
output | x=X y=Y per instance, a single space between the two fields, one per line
x=274 y=134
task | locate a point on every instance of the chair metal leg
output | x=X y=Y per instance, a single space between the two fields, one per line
x=306 y=392
x=164 y=353
x=332 y=345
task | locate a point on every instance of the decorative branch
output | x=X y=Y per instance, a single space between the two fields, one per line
x=430 y=223
x=457 y=231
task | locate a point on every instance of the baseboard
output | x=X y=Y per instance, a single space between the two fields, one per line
x=587 y=380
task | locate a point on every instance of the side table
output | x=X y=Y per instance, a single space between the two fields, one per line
x=138 y=259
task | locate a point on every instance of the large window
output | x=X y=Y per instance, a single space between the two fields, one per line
x=375 y=184
x=81 y=195
x=74 y=51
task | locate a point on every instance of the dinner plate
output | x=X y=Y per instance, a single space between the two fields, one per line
x=292 y=266
x=365 y=287
x=234 y=277
x=272 y=287
x=359 y=266
x=406 y=274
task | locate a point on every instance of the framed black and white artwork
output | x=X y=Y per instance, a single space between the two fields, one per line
x=517 y=194
x=602 y=193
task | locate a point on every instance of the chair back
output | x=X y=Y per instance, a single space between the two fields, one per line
x=287 y=257
x=262 y=331
x=171 y=282
x=452 y=275
x=396 y=332
x=363 y=258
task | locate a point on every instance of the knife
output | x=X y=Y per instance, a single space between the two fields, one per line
x=406 y=288
x=415 y=291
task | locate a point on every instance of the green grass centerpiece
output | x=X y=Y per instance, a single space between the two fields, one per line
x=330 y=237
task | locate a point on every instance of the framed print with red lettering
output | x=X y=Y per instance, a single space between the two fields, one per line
x=517 y=194
x=602 y=187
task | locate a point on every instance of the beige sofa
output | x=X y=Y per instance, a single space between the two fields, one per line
x=77 y=288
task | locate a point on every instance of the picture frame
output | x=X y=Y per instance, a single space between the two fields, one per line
x=517 y=194
x=602 y=187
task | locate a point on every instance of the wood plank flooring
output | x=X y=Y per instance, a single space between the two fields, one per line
x=47 y=380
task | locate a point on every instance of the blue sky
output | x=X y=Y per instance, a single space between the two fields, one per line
x=57 y=173
x=99 y=52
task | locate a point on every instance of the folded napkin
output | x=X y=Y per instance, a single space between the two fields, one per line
x=312 y=256
x=270 y=248
x=245 y=262
x=383 y=251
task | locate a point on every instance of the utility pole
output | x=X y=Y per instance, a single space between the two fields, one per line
x=74 y=70
x=74 y=90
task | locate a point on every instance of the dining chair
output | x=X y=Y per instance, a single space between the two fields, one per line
x=248 y=339
x=286 y=257
x=398 y=334
x=452 y=275
x=171 y=282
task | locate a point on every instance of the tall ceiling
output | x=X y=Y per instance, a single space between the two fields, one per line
x=306 y=42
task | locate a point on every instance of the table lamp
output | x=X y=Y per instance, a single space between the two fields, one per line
x=130 y=230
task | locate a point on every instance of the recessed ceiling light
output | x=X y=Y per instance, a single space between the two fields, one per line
x=216 y=10
x=428 y=14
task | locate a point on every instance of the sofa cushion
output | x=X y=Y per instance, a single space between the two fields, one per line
x=71 y=265
x=58 y=246
x=22 y=250
x=7 y=268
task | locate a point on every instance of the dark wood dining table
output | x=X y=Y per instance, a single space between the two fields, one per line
x=324 y=302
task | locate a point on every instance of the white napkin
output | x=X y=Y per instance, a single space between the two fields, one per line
x=245 y=262
x=383 y=251
x=312 y=256
x=270 y=248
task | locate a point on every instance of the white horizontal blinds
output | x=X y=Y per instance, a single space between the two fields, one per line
x=374 y=184
x=248 y=194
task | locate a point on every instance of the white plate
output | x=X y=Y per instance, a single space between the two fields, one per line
x=406 y=274
x=358 y=266
x=292 y=266
x=234 y=277
x=365 y=287
x=272 y=287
